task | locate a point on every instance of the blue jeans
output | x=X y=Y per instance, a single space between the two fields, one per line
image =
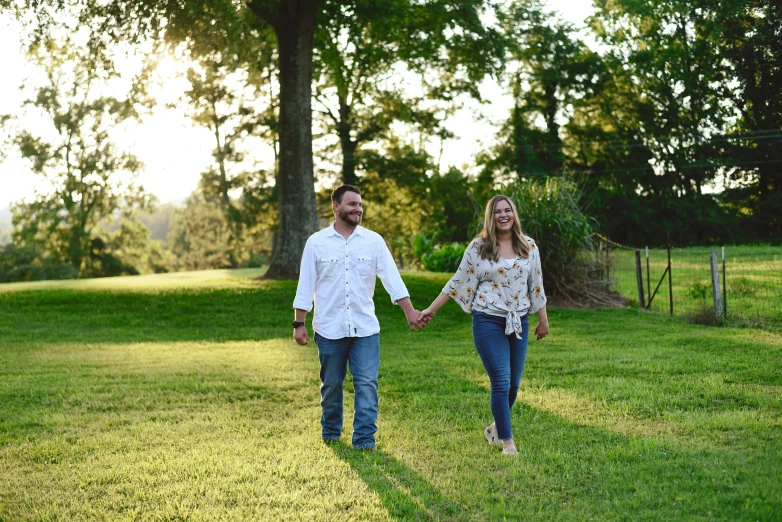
x=503 y=357
x=363 y=353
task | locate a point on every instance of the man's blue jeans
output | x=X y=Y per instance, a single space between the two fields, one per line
x=503 y=357
x=363 y=354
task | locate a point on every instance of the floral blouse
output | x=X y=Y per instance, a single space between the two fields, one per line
x=493 y=288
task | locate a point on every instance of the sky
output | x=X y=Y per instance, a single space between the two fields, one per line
x=175 y=152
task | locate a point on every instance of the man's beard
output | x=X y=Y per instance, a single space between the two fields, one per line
x=352 y=219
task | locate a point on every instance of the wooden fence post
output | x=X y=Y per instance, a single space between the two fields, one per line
x=724 y=286
x=670 y=277
x=648 y=279
x=640 y=277
x=715 y=285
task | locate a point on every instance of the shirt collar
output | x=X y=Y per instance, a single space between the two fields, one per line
x=358 y=231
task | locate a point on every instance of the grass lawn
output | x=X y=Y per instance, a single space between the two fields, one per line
x=184 y=397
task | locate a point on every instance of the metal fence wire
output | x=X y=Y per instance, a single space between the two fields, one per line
x=749 y=279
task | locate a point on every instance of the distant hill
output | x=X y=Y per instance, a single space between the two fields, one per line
x=159 y=221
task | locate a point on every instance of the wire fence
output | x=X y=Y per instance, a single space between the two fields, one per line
x=749 y=282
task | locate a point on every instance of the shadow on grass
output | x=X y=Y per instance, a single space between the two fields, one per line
x=405 y=494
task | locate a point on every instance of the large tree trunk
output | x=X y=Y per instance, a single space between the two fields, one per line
x=554 y=146
x=519 y=144
x=347 y=143
x=294 y=24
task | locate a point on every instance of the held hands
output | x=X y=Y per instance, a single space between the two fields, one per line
x=414 y=320
x=421 y=319
x=426 y=316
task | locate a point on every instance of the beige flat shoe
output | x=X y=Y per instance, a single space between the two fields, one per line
x=510 y=450
x=491 y=434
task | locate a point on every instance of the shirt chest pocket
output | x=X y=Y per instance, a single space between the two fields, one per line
x=364 y=265
x=328 y=267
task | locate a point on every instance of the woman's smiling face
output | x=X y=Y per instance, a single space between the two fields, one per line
x=503 y=216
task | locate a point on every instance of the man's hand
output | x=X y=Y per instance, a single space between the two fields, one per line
x=413 y=321
x=541 y=330
x=301 y=336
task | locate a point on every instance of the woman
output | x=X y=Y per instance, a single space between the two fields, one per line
x=500 y=283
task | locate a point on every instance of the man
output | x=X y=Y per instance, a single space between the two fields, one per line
x=338 y=267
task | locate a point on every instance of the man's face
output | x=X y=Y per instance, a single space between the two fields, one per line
x=350 y=210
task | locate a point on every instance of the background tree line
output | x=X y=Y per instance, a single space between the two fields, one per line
x=672 y=122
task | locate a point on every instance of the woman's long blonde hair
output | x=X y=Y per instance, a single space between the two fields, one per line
x=489 y=249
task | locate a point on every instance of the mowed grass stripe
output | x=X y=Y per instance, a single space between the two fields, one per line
x=191 y=402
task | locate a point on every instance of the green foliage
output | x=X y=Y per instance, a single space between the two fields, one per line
x=441 y=258
x=158 y=220
x=199 y=236
x=699 y=290
x=224 y=95
x=404 y=196
x=452 y=211
x=90 y=180
x=132 y=244
x=361 y=47
x=445 y=258
x=550 y=213
x=679 y=74
x=103 y=263
x=25 y=263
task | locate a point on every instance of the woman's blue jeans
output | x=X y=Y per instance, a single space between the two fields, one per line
x=503 y=357
x=363 y=354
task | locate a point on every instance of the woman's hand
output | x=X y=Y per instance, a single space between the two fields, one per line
x=541 y=330
x=426 y=316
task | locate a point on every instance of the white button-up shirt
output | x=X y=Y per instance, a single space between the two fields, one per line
x=338 y=275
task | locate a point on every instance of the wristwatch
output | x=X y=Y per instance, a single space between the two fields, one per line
x=296 y=324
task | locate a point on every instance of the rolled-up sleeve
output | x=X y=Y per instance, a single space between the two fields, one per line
x=389 y=274
x=464 y=283
x=537 y=295
x=307 y=278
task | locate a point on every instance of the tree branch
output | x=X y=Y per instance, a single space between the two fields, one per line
x=264 y=13
x=328 y=112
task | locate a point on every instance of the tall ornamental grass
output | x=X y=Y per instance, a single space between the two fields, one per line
x=550 y=213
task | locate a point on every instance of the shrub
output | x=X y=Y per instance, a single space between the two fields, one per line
x=699 y=290
x=441 y=258
x=26 y=263
x=550 y=213
x=444 y=259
